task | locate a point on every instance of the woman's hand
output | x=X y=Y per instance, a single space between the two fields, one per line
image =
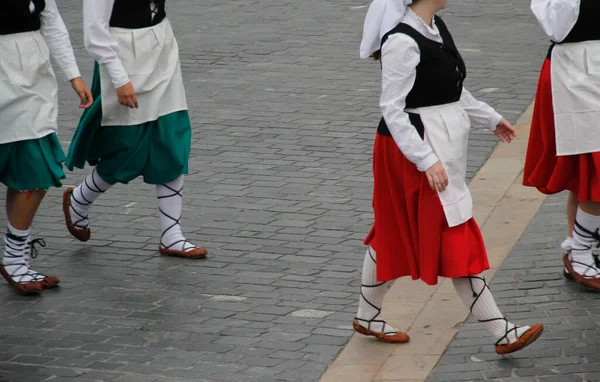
x=438 y=179
x=505 y=131
x=126 y=96
x=84 y=93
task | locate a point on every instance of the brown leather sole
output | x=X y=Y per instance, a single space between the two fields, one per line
x=525 y=340
x=78 y=233
x=25 y=288
x=196 y=253
x=398 y=338
x=50 y=282
x=568 y=275
x=591 y=283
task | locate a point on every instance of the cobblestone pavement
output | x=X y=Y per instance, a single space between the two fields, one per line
x=529 y=288
x=284 y=117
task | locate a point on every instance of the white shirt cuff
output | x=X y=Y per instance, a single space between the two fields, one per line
x=71 y=73
x=494 y=121
x=426 y=163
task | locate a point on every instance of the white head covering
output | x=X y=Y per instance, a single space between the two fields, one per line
x=382 y=17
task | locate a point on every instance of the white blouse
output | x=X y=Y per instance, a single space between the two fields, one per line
x=57 y=38
x=98 y=41
x=557 y=17
x=400 y=56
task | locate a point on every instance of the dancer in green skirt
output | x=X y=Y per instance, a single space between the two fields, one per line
x=30 y=154
x=139 y=123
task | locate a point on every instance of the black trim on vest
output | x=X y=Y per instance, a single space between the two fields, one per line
x=415 y=120
x=16 y=17
x=586 y=28
x=136 y=14
x=550 y=49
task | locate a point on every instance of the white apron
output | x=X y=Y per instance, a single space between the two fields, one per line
x=151 y=58
x=575 y=74
x=28 y=88
x=447 y=131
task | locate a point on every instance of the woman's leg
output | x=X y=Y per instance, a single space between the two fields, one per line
x=172 y=241
x=567 y=244
x=77 y=202
x=476 y=295
x=585 y=235
x=572 y=205
x=368 y=319
x=21 y=208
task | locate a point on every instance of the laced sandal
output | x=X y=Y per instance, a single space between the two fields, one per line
x=194 y=253
x=522 y=342
x=48 y=282
x=34 y=283
x=589 y=282
x=188 y=250
x=393 y=337
x=80 y=233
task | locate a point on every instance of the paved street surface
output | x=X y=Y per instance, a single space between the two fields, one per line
x=284 y=117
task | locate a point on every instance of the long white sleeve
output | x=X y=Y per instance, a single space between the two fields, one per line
x=57 y=38
x=480 y=113
x=400 y=56
x=98 y=41
x=557 y=17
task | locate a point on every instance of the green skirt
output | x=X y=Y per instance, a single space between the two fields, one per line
x=32 y=164
x=157 y=150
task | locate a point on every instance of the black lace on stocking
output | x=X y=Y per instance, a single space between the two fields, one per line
x=377 y=308
x=14 y=250
x=476 y=296
x=176 y=221
x=85 y=202
x=595 y=235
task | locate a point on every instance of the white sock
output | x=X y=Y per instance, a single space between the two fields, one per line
x=567 y=244
x=372 y=293
x=584 y=237
x=17 y=246
x=476 y=294
x=171 y=200
x=83 y=196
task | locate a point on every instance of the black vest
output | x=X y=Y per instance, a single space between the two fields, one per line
x=587 y=27
x=136 y=14
x=440 y=73
x=16 y=17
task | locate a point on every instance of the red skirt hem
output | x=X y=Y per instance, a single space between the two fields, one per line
x=411 y=236
x=546 y=171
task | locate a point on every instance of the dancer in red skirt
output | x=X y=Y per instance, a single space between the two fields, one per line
x=424 y=226
x=564 y=144
x=541 y=153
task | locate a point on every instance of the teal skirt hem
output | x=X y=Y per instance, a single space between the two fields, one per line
x=32 y=164
x=157 y=150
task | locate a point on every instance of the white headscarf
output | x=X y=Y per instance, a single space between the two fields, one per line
x=382 y=17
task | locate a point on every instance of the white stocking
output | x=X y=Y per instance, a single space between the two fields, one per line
x=476 y=295
x=171 y=201
x=371 y=297
x=83 y=196
x=585 y=235
x=17 y=248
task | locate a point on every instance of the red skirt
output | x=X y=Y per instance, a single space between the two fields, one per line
x=411 y=236
x=549 y=173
